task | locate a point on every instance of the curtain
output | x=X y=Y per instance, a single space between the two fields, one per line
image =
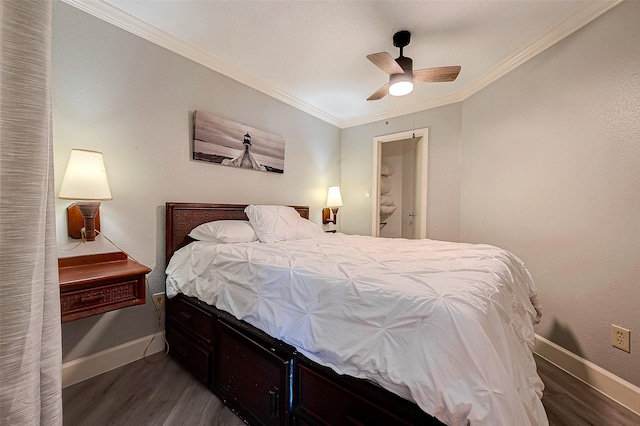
x=30 y=337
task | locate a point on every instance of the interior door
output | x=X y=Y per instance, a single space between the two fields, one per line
x=397 y=189
x=407 y=153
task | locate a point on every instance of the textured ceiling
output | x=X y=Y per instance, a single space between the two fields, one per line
x=312 y=54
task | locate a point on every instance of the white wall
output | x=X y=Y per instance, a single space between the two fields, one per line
x=443 y=178
x=134 y=101
x=551 y=171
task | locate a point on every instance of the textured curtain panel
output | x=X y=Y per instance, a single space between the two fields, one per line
x=30 y=342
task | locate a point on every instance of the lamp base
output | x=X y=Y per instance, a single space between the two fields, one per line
x=76 y=222
x=326 y=215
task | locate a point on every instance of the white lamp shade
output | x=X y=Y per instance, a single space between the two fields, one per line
x=334 y=199
x=85 y=177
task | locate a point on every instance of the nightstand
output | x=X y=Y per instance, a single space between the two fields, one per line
x=98 y=283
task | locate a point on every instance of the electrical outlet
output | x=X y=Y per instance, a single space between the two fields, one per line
x=621 y=338
x=158 y=301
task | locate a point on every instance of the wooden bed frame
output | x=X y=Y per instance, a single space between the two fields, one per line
x=264 y=380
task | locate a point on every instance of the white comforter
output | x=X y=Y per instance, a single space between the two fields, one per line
x=447 y=325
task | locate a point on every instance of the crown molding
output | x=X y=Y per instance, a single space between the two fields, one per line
x=405 y=110
x=111 y=14
x=117 y=17
x=564 y=29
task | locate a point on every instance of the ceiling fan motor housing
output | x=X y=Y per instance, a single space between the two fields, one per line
x=402 y=83
x=401 y=38
x=405 y=63
x=398 y=78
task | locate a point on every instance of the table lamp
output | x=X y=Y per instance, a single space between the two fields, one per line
x=85 y=181
x=334 y=200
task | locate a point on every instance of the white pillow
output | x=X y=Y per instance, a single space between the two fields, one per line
x=224 y=231
x=280 y=223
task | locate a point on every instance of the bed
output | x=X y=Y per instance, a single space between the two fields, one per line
x=337 y=329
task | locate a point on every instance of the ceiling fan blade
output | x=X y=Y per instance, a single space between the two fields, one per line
x=385 y=62
x=380 y=93
x=436 y=75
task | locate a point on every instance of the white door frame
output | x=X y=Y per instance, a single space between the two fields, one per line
x=421 y=178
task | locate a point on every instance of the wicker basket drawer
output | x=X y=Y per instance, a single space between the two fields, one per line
x=98 y=297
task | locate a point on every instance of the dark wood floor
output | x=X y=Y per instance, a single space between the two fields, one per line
x=144 y=394
x=570 y=402
x=165 y=394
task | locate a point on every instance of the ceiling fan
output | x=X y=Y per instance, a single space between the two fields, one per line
x=400 y=70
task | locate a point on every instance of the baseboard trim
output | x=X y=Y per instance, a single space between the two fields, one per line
x=93 y=365
x=598 y=378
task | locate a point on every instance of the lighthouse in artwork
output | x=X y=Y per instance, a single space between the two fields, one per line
x=245 y=159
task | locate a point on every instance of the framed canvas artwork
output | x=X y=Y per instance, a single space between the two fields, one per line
x=222 y=141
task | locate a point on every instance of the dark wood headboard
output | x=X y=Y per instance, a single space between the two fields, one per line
x=183 y=217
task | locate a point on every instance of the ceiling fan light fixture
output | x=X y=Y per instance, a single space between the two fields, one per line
x=401 y=73
x=401 y=84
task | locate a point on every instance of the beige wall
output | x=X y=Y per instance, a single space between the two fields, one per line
x=132 y=100
x=544 y=162
x=443 y=176
x=551 y=171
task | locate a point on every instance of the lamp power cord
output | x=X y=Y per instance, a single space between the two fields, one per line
x=156 y=309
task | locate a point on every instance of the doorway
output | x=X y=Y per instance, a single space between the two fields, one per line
x=399 y=190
